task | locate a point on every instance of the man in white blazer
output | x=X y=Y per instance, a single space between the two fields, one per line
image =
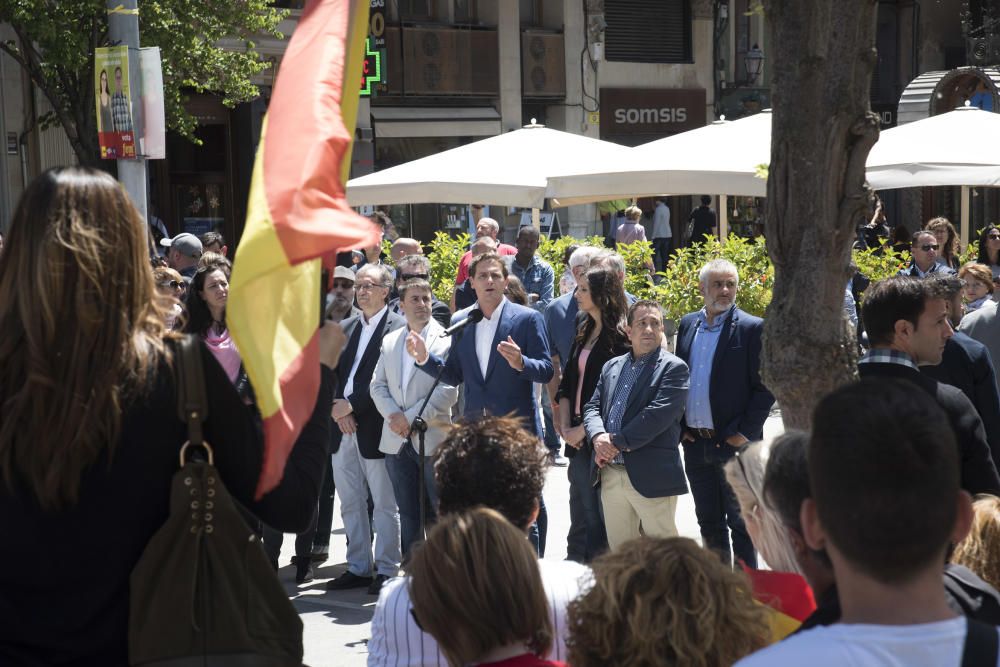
x=398 y=390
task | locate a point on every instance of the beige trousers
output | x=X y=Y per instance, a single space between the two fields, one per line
x=628 y=513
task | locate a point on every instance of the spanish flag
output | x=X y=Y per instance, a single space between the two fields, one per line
x=787 y=597
x=296 y=215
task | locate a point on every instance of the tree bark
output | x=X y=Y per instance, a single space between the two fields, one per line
x=822 y=57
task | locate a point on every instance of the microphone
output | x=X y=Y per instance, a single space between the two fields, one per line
x=474 y=316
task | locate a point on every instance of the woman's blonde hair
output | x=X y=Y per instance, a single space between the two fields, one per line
x=977 y=271
x=980 y=550
x=664 y=602
x=475 y=586
x=745 y=474
x=633 y=213
x=81 y=328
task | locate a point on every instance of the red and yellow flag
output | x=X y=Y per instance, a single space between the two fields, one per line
x=297 y=213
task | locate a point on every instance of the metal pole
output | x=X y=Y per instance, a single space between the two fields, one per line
x=723 y=217
x=123 y=30
x=965 y=217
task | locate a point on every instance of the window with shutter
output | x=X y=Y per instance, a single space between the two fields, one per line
x=648 y=31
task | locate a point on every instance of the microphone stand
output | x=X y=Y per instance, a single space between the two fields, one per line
x=420 y=426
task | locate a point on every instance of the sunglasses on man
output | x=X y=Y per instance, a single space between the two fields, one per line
x=929 y=246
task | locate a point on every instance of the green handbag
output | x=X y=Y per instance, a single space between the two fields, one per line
x=204 y=594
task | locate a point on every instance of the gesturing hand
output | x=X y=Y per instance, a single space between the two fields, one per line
x=416 y=347
x=399 y=425
x=509 y=350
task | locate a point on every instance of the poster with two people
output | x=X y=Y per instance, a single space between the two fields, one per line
x=114 y=106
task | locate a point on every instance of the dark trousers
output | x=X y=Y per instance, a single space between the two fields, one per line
x=551 y=437
x=661 y=251
x=324 y=524
x=404 y=471
x=714 y=502
x=539 y=530
x=587 y=538
x=273 y=540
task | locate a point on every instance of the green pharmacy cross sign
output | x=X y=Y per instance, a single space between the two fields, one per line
x=372 y=73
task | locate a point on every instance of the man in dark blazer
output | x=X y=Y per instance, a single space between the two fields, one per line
x=498 y=359
x=908 y=327
x=727 y=404
x=966 y=364
x=515 y=355
x=358 y=465
x=633 y=419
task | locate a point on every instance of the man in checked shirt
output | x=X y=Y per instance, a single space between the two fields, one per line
x=634 y=421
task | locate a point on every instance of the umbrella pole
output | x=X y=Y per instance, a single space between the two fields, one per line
x=965 y=217
x=723 y=217
x=536 y=219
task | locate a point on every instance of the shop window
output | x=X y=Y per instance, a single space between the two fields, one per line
x=465 y=11
x=531 y=13
x=648 y=32
x=416 y=10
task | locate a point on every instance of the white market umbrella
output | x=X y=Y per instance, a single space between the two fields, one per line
x=961 y=147
x=511 y=169
x=720 y=158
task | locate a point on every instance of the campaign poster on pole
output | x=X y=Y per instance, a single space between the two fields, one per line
x=114 y=106
x=152 y=134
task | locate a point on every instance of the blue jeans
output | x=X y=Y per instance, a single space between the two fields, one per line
x=714 y=502
x=587 y=538
x=539 y=530
x=403 y=470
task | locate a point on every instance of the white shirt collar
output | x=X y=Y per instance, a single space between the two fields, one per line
x=376 y=318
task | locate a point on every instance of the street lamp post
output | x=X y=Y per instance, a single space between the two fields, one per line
x=753 y=61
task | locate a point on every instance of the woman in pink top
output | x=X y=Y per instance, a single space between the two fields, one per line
x=206 y=306
x=631 y=230
x=600 y=336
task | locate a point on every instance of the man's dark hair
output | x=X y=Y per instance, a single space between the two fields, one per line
x=890 y=300
x=211 y=238
x=643 y=303
x=921 y=232
x=487 y=257
x=706 y=200
x=945 y=286
x=491 y=461
x=884 y=473
x=786 y=477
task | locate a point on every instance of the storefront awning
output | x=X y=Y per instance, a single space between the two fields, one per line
x=435 y=122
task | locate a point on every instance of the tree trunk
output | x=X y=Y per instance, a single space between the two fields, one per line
x=822 y=56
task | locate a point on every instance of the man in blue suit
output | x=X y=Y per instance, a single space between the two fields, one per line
x=633 y=419
x=727 y=404
x=498 y=358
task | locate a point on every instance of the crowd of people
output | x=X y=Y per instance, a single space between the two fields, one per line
x=873 y=539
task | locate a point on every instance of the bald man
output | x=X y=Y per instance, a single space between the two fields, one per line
x=486 y=227
x=403 y=247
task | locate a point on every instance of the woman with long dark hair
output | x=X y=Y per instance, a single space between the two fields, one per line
x=600 y=336
x=989 y=249
x=90 y=437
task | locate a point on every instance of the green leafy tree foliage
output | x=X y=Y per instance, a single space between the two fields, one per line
x=445 y=253
x=56 y=40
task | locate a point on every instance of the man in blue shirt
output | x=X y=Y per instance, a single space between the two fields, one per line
x=534 y=272
x=727 y=404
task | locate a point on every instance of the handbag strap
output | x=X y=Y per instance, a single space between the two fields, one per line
x=981 y=645
x=192 y=401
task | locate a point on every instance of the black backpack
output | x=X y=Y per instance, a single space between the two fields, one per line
x=204 y=594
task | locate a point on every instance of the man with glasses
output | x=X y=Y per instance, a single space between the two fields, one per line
x=634 y=421
x=358 y=465
x=340 y=303
x=924 y=249
x=418 y=267
x=726 y=406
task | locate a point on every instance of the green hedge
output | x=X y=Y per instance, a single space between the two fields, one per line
x=678 y=290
